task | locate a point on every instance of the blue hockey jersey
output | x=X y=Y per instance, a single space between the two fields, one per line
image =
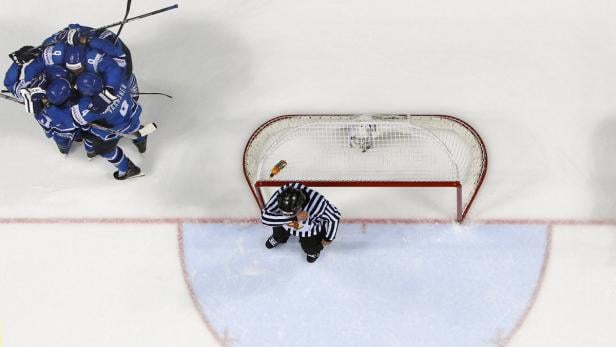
x=123 y=115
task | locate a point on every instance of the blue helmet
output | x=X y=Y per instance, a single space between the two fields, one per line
x=53 y=72
x=74 y=57
x=89 y=84
x=54 y=54
x=58 y=91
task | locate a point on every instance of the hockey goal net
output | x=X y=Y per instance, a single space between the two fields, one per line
x=375 y=150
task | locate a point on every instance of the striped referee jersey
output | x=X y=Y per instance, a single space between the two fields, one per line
x=323 y=217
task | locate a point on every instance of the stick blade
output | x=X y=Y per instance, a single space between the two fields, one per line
x=146 y=130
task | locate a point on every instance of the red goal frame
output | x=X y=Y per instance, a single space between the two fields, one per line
x=461 y=212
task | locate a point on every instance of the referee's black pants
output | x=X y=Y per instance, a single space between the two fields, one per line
x=310 y=245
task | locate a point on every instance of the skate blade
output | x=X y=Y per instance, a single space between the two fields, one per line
x=135 y=176
x=128 y=178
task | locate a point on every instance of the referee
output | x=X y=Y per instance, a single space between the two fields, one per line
x=297 y=210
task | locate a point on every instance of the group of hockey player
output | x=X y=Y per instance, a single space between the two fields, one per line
x=80 y=87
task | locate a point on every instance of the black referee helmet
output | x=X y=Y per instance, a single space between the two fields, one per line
x=291 y=200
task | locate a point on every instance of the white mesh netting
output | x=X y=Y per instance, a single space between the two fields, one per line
x=385 y=148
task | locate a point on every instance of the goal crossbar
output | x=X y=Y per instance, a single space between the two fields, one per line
x=359 y=184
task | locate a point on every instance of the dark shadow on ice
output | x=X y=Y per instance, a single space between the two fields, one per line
x=602 y=173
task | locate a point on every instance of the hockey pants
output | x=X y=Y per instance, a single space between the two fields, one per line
x=310 y=245
x=107 y=149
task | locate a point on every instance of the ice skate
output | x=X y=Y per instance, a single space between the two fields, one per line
x=141 y=144
x=271 y=242
x=91 y=155
x=63 y=150
x=133 y=171
x=311 y=258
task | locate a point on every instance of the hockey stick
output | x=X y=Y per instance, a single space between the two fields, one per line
x=165 y=9
x=9 y=97
x=145 y=130
x=163 y=94
x=122 y=26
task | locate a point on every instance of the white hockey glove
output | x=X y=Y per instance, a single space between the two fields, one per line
x=36 y=82
x=17 y=88
x=101 y=101
x=33 y=99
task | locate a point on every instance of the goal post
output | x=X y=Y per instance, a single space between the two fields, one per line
x=368 y=150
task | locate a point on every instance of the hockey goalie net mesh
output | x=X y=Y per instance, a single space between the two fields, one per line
x=370 y=150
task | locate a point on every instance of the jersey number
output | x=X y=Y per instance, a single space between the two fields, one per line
x=46 y=122
x=124 y=108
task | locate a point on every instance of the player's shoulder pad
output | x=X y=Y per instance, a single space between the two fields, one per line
x=11 y=76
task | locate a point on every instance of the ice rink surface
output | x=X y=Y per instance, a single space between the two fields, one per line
x=383 y=285
x=85 y=260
